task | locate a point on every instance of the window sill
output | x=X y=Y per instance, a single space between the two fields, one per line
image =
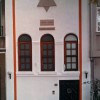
x=24 y=74
x=71 y=73
x=47 y=73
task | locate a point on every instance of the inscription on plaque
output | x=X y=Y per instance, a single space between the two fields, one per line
x=46 y=22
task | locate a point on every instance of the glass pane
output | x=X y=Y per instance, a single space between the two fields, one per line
x=44 y=46
x=27 y=53
x=71 y=38
x=25 y=38
x=44 y=52
x=68 y=59
x=73 y=52
x=45 y=66
x=73 y=46
x=68 y=45
x=22 y=52
x=27 y=66
x=21 y=46
x=98 y=26
x=27 y=60
x=47 y=38
x=98 y=19
x=50 y=60
x=69 y=66
x=27 y=46
x=74 y=66
x=73 y=59
x=50 y=46
x=22 y=66
x=44 y=60
x=50 y=66
x=98 y=3
x=50 y=53
x=68 y=52
x=22 y=60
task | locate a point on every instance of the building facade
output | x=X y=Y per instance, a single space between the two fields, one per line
x=2 y=51
x=47 y=49
x=94 y=44
x=94 y=40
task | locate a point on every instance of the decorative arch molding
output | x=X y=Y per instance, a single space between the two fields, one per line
x=24 y=34
x=71 y=34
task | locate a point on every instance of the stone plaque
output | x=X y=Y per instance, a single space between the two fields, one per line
x=46 y=22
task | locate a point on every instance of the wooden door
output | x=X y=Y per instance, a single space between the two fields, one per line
x=69 y=89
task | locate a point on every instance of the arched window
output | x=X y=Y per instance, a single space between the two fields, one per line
x=47 y=53
x=25 y=53
x=71 y=52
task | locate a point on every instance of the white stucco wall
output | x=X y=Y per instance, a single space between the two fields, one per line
x=37 y=84
x=85 y=50
x=9 y=50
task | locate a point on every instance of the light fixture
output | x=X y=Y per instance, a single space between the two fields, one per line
x=9 y=74
x=86 y=74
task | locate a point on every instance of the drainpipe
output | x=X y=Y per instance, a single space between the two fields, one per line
x=92 y=60
x=92 y=68
x=90 y=51
x=90 y=42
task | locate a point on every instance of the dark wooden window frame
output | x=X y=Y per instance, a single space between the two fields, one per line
x=71 y=56
x=53 y=57
x=24 y=56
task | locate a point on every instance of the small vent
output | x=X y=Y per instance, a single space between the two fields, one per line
x=47 y=28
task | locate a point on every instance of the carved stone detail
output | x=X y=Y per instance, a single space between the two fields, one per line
x=46 y=4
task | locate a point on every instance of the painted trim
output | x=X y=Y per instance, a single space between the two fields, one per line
x=80 y=47
x=14 y=48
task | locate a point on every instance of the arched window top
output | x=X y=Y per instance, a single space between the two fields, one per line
x=71 y=37
x=47 y=38
x=24 y=38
